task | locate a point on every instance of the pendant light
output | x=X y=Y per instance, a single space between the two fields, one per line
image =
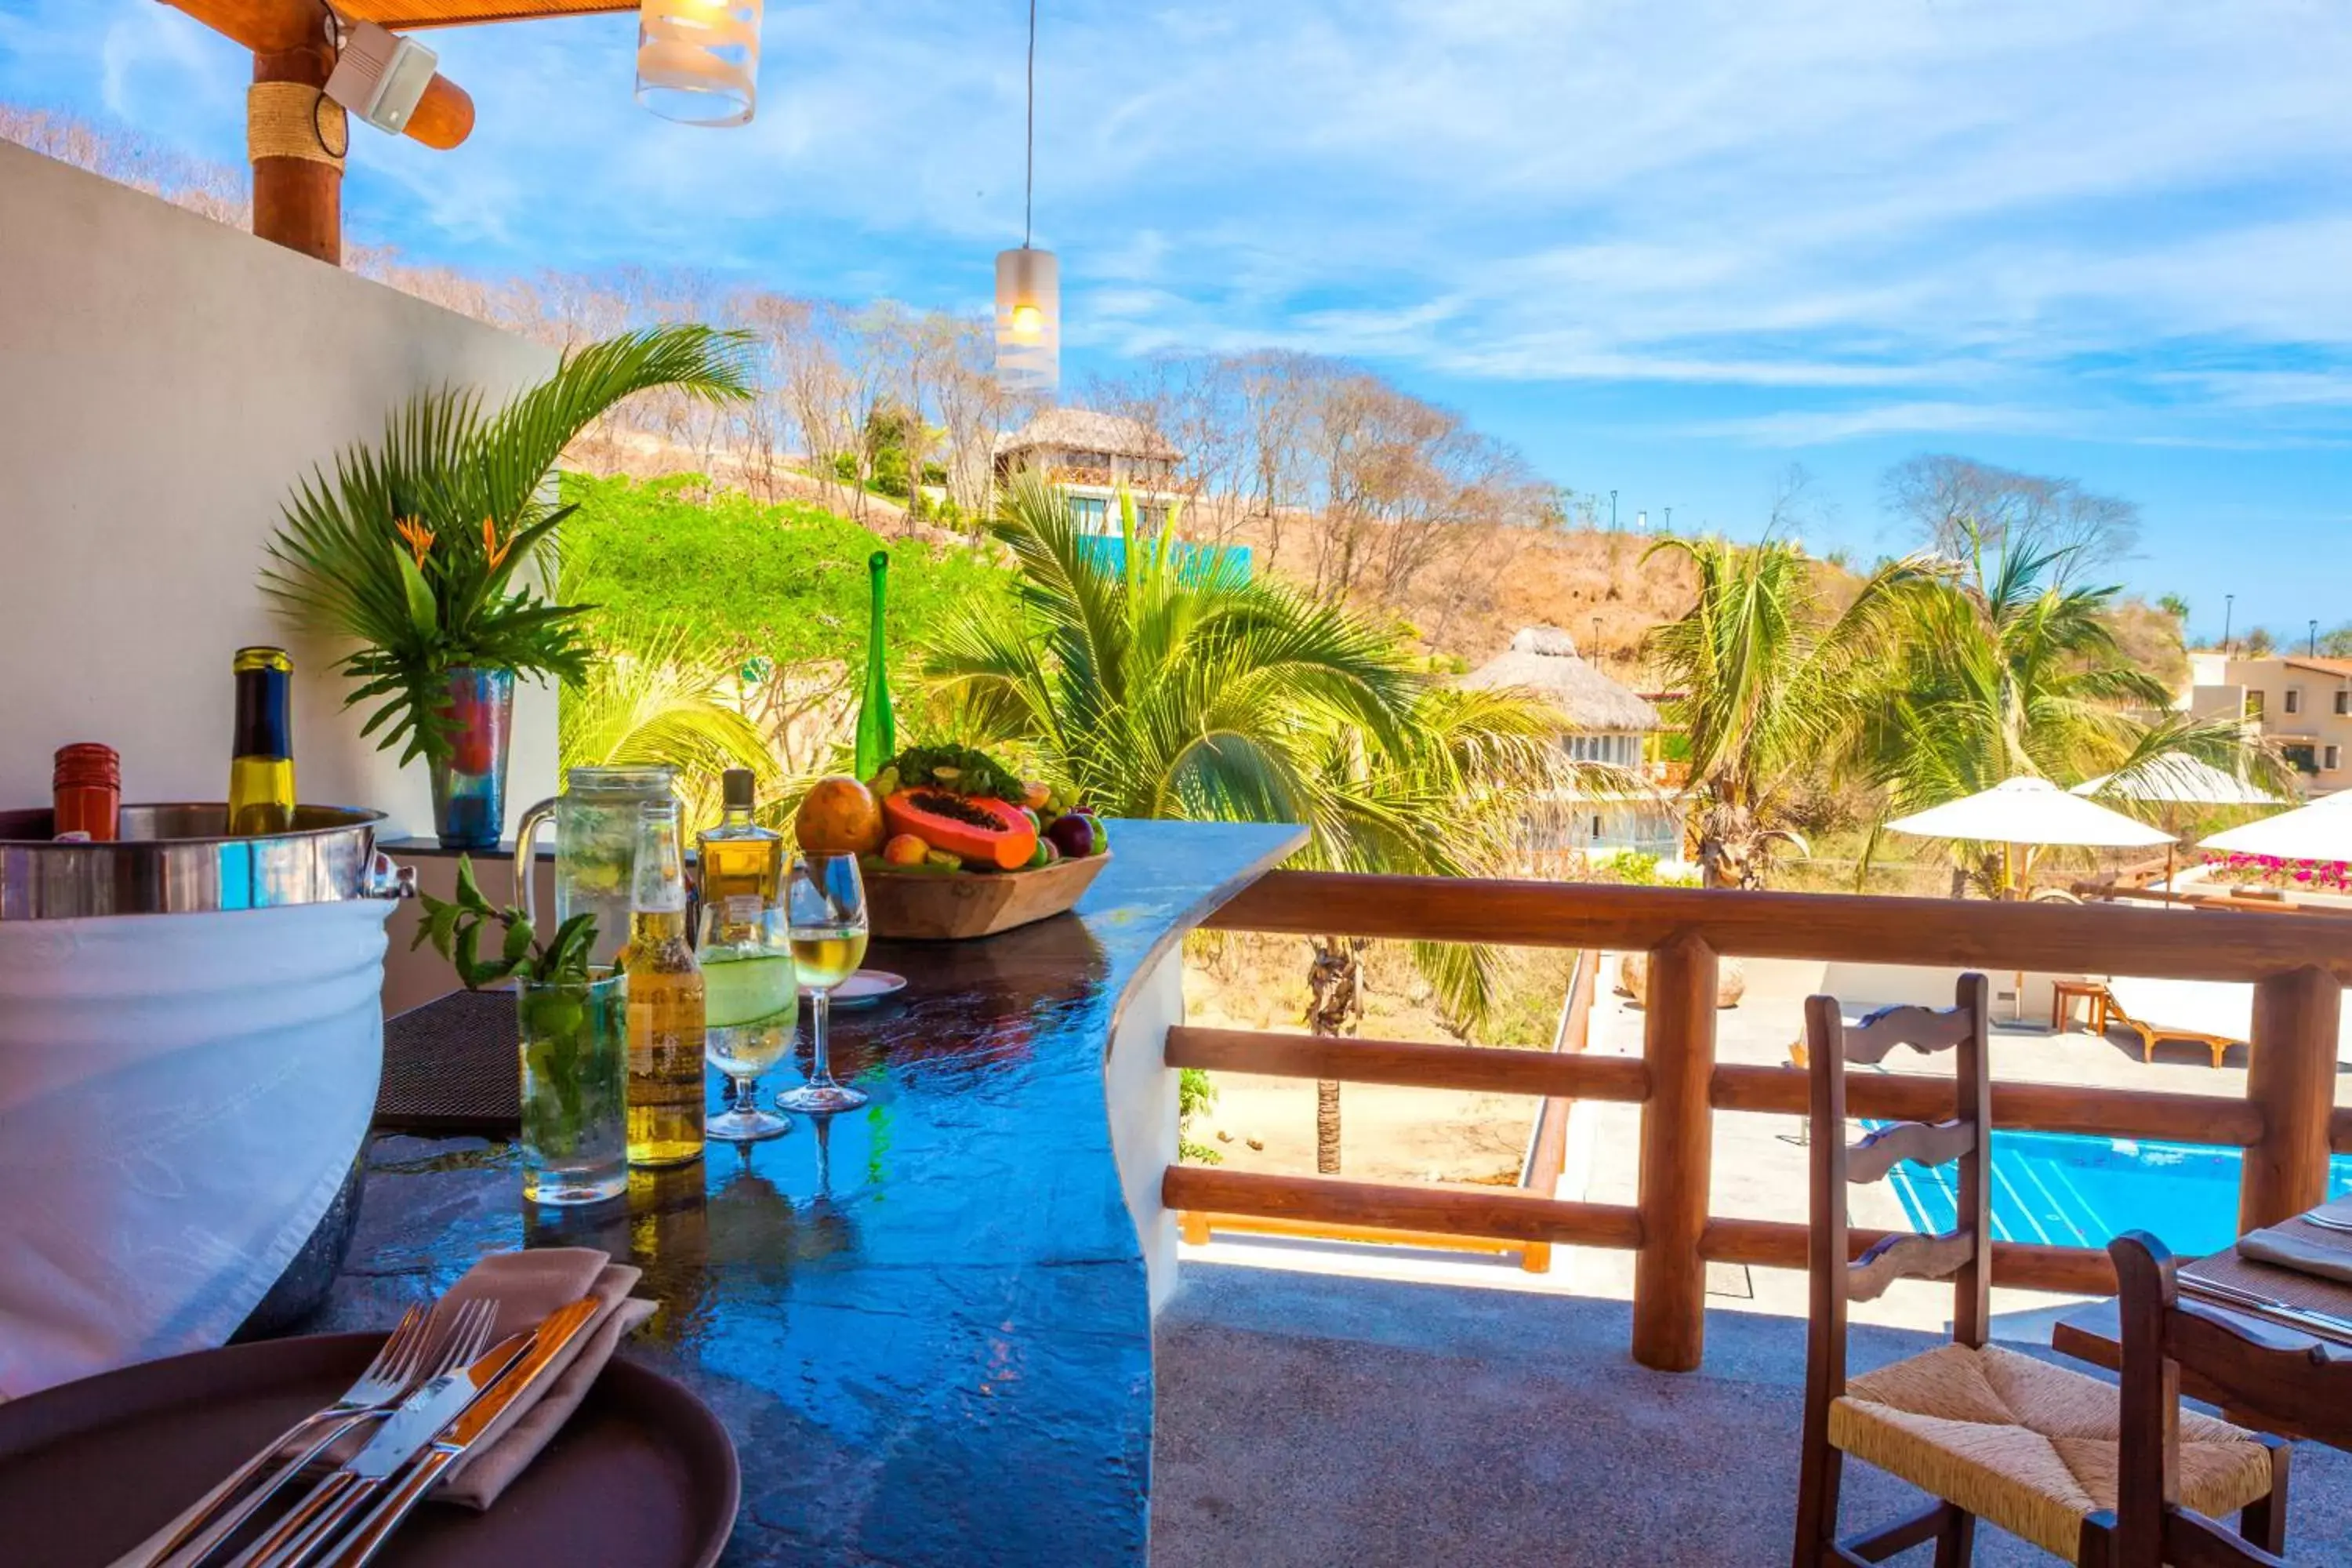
x=1029 y=281
x=698 y=60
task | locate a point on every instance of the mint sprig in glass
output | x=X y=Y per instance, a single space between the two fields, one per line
x=572 y=1021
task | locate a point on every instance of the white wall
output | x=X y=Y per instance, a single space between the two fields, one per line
x=163 y=380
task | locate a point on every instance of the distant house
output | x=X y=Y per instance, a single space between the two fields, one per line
x=1612 y=725
x=2302 y=705
x=1092 y=456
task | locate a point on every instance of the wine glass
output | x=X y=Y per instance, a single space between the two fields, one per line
x=825 y=906
x=750 y=1006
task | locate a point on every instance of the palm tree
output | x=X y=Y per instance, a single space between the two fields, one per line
x=1767 y=670
x=2005 y=665
x=1183 y=690
x=651 y=697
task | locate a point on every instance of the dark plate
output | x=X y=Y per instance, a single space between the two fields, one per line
x=643 y=1473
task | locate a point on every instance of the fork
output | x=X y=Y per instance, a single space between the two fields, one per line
x=377 y=1389
x=298 y=1537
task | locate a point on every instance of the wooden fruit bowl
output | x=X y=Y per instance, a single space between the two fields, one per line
x=915 y=906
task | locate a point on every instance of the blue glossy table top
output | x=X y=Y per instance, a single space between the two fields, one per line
x=926 y=1323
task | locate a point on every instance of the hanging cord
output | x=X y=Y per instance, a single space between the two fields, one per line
x=319 y=106
x=1029 y=174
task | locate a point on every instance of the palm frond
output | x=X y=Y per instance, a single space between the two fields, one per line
x=413 y=547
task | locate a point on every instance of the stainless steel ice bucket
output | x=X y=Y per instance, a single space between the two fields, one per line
x=177 y=858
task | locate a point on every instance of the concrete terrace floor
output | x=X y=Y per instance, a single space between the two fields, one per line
x=1308 y=1421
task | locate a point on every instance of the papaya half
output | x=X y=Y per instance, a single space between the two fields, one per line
x=982 y=830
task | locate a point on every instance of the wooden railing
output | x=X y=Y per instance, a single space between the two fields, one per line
x=1243 y=1050
x=2286 y=1121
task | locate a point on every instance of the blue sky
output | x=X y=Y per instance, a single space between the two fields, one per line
x=1665 y=249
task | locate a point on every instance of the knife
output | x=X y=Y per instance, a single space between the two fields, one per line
x=562 y=1326
x=2325 y=1325
x=407 y=1432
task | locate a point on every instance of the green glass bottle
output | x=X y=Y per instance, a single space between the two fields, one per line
x=878 y=733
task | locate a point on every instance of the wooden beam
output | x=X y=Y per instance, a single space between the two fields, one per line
x=1201 y=1227
x=2291 y=1079
x=404 y=15
x=1963 y=934
x=1782 y=1244
x=1504 y=1213
x=2094 y=1112
x=1677 y=1156
x=443 y=117
x=1474 y=1068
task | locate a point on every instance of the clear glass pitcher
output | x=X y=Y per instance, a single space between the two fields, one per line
x=595 y=822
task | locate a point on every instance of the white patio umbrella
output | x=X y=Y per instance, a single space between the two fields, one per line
x=2172 y=783
x=2028 y=811
x=2320 y=831
x=2031 y=812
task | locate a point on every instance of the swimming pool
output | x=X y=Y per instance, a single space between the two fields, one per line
x=2061 y=1189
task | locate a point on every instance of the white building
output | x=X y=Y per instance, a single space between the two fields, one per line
x=2305 y=705
x=1092 y=456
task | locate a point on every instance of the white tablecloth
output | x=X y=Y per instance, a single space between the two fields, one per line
x=180 y=1097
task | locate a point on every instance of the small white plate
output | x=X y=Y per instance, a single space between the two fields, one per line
x=866 y=987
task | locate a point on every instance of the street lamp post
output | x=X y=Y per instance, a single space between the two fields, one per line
x=1612 y=511
x=2229 y=605
x=2311 y=648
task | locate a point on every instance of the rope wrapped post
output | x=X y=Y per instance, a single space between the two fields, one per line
x=296 y=139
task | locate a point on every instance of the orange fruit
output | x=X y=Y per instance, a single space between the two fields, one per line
x=839 y=816
x=905 y=850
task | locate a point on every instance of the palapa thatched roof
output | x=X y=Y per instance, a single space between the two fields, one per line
x=1543 y=659
x=1088 y=430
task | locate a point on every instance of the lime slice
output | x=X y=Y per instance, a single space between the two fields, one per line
x=744 y=988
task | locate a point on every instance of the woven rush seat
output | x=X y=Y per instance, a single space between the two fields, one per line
x=2027 y=1446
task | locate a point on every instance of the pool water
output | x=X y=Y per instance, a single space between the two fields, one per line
x=2061 y=1189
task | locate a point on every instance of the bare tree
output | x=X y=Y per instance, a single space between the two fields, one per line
x=1944 y=500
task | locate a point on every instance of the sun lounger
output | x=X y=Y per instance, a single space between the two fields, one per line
x=2213 y=1015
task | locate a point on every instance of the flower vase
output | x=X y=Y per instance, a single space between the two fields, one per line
x=575 y=1128
x=469 y=783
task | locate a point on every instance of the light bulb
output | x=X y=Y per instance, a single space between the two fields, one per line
x=1028 y=321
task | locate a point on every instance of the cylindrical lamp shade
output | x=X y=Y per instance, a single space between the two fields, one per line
x=1028 y=320
x=698 y=60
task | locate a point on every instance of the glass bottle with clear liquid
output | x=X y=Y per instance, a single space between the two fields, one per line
x=666 y=1000
x=752 y=1005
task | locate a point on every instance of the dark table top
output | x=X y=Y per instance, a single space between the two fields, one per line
x=2094 y=1331
x=926 y=1324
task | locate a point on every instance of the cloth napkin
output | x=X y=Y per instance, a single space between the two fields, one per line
x=528 y=1285
x=2284 y=1248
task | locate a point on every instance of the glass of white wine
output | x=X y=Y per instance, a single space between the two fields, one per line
x=825 y=906
x=751 y=1007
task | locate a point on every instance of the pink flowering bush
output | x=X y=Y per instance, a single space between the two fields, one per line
x=2274 y=871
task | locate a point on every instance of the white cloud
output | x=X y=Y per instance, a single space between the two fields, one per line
x=1975 y=211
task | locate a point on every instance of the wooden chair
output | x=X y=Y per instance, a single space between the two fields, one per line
x=2305 y=1387
x=1991 y=1434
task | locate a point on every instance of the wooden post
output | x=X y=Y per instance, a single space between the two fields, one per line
x=1678 y=1157
x=298 y=197
x=2291 y=1079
